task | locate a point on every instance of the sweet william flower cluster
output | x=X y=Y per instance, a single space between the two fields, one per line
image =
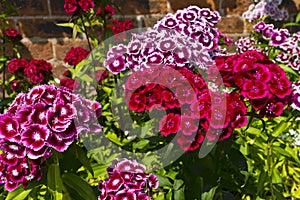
x=264 y=8
x=127 y=180
x=37 y=71
x=178 y=39
x=166 y=63
x=258 y=79
x=45 y=118
x=282 y=40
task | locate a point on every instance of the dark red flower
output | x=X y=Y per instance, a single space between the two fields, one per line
x=86 y=5
x=169 y=124
x=254 y=90
x=17 y=63
x=137 y=101
x=70 y=6
x=280 y=87
x=108 y=9
x=13 y=35
x=68 y=83
x=75 y=55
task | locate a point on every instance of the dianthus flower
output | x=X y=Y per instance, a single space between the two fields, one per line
x=13 y=34
x=119 y=27
x=259 y=80
x=72 y=6
x=127 y=180
x=265 y=8
x=108 y=9
x=194 y=22
x=75 y=55
x=36 y=70
x=165 y=63
x=45 y=118
x=296 y=95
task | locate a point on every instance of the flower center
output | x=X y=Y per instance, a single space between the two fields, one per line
x=15 y=172
x=36 y=136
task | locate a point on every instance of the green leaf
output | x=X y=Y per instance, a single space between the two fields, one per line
x=210 y=194
x=163 y=181
x=69 y=25
x=86 y=78
x=82 y=157
x=140 y=144
x=287 y=69
x=78 y=185
x=290 y=24
x=18 y=194
x=54 y=181
x=3 y=59
x=178 y=184
x=74 y=33
x=298 y=18
x=276 y=177
x=179 y=194
x=282 y=151
x=280 y=128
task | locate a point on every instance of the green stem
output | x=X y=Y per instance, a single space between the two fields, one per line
x=270 y=167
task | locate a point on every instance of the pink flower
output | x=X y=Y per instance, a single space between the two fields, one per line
x=13 y=34
x=76 y=55
x=108 y=9
x=70 y=6
x=17 y=63
x=86 y=5
x=169 y=124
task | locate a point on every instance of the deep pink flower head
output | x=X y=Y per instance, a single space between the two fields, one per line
x=75 y=55
x=127 y=180
x=86 y=5
x=17 y=63
x=108 y=9
x=70 y=6
x=119 y=27
x=69 y=83
x=13 y=35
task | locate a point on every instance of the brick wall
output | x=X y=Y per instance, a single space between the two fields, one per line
x=43 y=39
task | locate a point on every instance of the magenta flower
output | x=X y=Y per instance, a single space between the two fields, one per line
x=70 y=6
x=188 y=125
x=169 y=124
x=127 y=180
x=35 y=137
x=17 y=63
x=116 y=63
x=86 y=5
x=9 y=127
x=279 y=37
x=255 y=90
x=37 y=122
x=75 y=55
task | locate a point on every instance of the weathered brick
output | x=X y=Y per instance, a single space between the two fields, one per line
x=61 y=48
x=293 y=7
x=150 y=21
x=44 y=28
x=133 y=7
x=58 y=70
x=40 y=50
x=233 y=24
x=57 y=7
x=25 y=53
x=158 y=6
x=175 y=4
x=31 y=7
x=235 y=6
